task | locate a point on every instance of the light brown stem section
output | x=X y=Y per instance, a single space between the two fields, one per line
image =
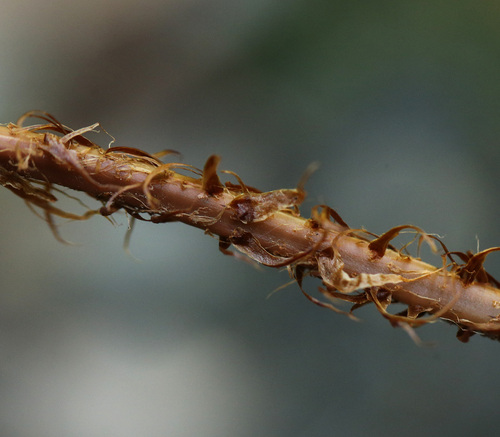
x=350 y=267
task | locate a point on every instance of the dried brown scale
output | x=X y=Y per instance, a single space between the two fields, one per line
x=263 y=226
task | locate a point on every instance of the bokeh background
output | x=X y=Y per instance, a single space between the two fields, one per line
x=400 y=103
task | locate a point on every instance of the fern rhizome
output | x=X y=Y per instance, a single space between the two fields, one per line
x=352 y=265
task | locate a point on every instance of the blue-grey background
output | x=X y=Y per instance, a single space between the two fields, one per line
x=400 y=103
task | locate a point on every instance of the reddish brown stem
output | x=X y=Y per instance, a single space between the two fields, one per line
x=264 y=226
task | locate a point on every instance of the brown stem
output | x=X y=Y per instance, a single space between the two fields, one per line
x=264 y=226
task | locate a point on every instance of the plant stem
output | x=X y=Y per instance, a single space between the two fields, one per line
x=263 y=226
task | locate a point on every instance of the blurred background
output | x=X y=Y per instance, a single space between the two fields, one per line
x=400 y=103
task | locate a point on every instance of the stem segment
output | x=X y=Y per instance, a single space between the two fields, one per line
x=264 y=226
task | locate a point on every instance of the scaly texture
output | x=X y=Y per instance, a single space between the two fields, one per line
x=352 y=265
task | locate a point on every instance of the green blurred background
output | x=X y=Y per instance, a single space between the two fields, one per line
x=400 y=103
